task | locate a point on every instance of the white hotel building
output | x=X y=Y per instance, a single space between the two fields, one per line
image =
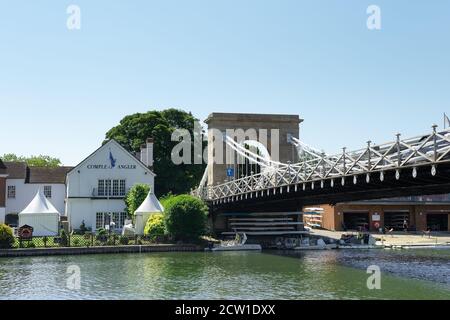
x=93 y=192
x=96 y=188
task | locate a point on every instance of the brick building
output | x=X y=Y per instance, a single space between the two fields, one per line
x=418 y=213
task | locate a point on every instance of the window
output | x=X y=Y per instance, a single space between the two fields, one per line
x=101 y=187
x=48 y=191
x=107 y=187
x=122 y=187
x=103 y=218
x=11 y=192
x=99 y=221
x=115 y=188
x=119 y=219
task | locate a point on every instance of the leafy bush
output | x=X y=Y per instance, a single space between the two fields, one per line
x=124 y=240
x=185 y=217
x=30 y=244
x=135 y=196
x=76 y=242
x=6 y=237
x=165 y=198
x=64 y=239
x=154 y=227
x=83 y=228
x=102 y=235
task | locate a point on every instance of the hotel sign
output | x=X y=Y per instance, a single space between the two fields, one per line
x=105 y=166
x=112 y=164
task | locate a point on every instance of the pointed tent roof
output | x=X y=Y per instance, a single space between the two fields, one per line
x=150 y=204
x=40 y=205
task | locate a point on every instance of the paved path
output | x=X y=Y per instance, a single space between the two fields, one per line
x=398 y=238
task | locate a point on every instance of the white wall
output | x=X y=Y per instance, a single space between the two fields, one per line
x=80 y=203
x=140 y=222
x=25 y=192
x=83 y=179
x=2 y=215
x=86 y=209
x=43 y=224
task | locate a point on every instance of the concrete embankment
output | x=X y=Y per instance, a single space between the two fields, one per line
x=398 y=240
x=99 y=250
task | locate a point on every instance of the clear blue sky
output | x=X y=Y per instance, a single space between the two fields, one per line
x=61 y=90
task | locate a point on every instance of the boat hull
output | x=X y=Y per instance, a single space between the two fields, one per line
x=326 y=247
x=245 y=247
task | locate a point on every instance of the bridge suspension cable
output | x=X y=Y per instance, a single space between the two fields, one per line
x=304 y=151
x=251 y=156
x=316 y=166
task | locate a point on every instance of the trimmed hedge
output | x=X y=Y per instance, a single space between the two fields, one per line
x=185 y=217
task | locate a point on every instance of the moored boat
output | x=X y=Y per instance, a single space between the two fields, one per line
x=238 y=244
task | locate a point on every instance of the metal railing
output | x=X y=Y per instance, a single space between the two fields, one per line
x=108 y=193
x=86 y=240
x=425 y=150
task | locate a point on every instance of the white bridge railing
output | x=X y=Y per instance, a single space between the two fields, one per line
x=425 y=150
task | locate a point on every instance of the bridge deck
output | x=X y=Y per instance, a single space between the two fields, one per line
x=413 y=166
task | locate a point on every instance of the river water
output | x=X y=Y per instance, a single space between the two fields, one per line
x=335 y=274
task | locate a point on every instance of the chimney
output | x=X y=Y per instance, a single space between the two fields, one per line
x=149 y=151
x=143 y=155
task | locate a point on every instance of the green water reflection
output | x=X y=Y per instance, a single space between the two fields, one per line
x=232 y=275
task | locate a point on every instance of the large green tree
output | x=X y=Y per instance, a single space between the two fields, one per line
x=33 y=161
x=132 y=132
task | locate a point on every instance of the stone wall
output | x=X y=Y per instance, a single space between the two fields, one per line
x=286 y=124
x=98 y=250
x=333 y=215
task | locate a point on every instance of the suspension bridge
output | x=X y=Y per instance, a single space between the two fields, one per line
x=403 y=167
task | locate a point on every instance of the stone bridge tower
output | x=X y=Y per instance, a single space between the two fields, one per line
x=287 y=125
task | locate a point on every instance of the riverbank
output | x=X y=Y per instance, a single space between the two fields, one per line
x=29 y=252
x=396 y=240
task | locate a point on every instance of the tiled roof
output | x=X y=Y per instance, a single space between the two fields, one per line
x=16 y=170
x=20 y=170
x=47 y=175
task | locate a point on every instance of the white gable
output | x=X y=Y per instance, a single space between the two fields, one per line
x=110 y=162
x=111 y=156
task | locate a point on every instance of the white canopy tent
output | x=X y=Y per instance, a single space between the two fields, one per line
x=41 y=215
x=149 y=206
